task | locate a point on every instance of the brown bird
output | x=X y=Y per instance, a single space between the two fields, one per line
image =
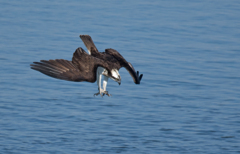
x=88 y=67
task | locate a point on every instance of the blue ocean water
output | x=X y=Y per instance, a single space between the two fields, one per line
x=188 y=100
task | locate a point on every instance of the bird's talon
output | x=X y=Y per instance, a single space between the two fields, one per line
x=96 y=94
x=102 y=93
x=106 y=92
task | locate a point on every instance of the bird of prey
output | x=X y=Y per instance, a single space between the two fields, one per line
x=88 y=67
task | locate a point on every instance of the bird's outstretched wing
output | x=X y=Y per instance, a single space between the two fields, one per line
x=87 y=40
x=125 y=64
x=82 y=67
x=60 y=69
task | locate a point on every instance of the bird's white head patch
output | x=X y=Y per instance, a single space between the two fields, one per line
x=115 y=73
x=115 y=76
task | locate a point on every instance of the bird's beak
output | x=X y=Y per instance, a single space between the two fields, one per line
x=119 y=81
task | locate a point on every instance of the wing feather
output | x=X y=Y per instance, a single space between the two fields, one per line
x=128 y=66
x=87 y=40
x=83 y=67
x=60 y=69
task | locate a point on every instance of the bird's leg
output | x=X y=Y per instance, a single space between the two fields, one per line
x=99 y=77
x=105 y=80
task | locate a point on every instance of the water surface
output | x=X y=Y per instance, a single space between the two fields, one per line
x=187 y=102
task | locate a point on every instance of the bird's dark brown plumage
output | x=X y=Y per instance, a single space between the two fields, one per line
x=82 y=67
x=114 y=59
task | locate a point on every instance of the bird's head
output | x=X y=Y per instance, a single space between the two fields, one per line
x=114 y=75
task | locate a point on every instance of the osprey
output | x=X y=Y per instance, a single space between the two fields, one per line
x=88 y=67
